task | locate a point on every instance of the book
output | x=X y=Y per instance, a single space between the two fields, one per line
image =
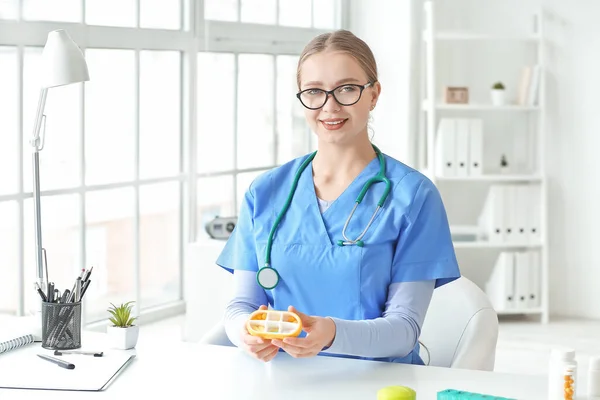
x=11 y=343
x=18 y=332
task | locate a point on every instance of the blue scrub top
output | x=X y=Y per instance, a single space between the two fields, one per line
x=409 y=240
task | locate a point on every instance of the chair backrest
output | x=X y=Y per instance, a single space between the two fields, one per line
x=461 y=328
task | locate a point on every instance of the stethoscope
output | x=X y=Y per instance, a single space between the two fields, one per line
x=267 y=276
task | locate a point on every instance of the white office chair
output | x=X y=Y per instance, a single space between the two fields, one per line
x=460 y=328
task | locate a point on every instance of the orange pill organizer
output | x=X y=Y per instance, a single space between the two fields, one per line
x=272 y=324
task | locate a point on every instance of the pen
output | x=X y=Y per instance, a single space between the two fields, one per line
x=50 y=292
x=40 y=292
x=78 y=289
x=85 y=353
x=84 y=289
x=87 y=274
x=57 y=361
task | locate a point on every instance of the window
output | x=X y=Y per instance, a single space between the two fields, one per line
x=295 y=13
x=110 y=12
x=259 y=11
x=168 y=134
x=110 y=248
x=9 y=123
x=160 y=14
x=255 y=114
x=216 y=112
x=160 y=233
x=320 y=14
x=160 y=109
x=110 y=116
x=9 y=256
x=292 y=133
x=9 y=9
x=57 y=10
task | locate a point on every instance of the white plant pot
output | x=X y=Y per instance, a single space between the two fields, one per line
x=122 y=338
x=498 y=97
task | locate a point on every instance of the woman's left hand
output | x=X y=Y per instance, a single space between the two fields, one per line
x=320 y=334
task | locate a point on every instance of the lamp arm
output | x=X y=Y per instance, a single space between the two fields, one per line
x=36 y=146
x=39 y=121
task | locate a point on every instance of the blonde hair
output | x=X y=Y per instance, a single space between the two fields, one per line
x=343 y=41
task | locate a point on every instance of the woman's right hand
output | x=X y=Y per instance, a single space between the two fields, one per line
x=257 y=347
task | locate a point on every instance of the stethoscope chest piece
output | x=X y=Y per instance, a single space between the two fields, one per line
x=267 y=277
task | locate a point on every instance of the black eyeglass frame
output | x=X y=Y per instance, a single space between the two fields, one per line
x=331 y=92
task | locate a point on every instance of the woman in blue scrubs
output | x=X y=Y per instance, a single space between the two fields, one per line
x=362 y=285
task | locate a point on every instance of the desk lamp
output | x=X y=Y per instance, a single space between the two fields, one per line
x=62 y=64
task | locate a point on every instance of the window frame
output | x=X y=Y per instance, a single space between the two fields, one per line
x=195 y=35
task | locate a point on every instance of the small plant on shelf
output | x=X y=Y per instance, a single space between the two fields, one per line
x=498 y=98
x=504 y=168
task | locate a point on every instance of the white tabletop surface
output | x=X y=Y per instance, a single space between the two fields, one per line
x=226 y=373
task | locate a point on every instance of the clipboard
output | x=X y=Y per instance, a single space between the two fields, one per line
x=23 y=369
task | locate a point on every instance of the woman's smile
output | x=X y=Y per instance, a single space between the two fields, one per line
x=333 y=124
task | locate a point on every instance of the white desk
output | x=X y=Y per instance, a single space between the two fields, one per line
x=225 y=373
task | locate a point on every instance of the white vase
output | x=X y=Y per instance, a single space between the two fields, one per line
x=498 y=98
x=122 y=338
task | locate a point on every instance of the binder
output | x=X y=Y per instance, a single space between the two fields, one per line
x=462 y=146
x=535 y=278
x=522 y=277
x=535 y=214
x=533 y=90
x=510 y=215
x=491 y=220
x=500 y=287
x=475 y=147
x=522 y=211
x=498 y=211
x=445 y=148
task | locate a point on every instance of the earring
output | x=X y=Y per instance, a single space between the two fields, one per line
x=372 y=107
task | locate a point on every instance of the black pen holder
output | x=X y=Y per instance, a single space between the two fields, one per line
x=61 y=326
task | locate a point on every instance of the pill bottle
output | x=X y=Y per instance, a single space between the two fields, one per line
x=396 y=393
x=593 y=379
x=562 y=375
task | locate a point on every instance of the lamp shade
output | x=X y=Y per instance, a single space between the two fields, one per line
x=62 y=61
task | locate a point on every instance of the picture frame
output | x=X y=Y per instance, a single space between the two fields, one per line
x=456 y=95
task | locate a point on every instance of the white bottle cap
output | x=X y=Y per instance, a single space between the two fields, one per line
x=564 y=354
x=595 y=363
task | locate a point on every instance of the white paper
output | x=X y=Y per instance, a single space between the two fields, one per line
x=22 y=368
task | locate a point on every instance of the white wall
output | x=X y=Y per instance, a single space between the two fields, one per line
x=574 y=142
x=385 y=26
x=573 y=123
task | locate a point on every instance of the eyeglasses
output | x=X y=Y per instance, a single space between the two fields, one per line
x=345 y=95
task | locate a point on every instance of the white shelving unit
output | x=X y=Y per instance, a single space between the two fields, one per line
x=433 y=108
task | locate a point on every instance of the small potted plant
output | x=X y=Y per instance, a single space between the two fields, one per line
x=504 y=168
x=122 y=333
x=498 y=92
